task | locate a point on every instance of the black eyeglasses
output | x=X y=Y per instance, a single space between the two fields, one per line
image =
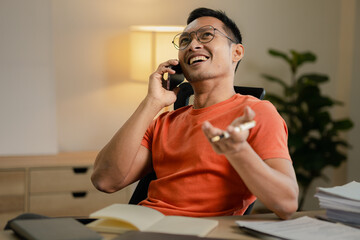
x=203 y=35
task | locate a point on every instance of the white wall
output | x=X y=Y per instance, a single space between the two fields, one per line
x=89 y=40
x=27 y=85
x=354 y=154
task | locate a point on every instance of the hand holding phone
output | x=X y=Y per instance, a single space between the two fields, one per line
x=171 y=81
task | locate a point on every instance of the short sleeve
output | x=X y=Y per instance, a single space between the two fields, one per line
x=148 y=136
x=269 y=137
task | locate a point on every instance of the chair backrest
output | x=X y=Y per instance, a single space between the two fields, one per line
x=183 y=97
x=186 y=91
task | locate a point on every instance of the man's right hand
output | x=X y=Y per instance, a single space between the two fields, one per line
x=156 y=92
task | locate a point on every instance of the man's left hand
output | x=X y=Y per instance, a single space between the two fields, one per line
x=235 y=142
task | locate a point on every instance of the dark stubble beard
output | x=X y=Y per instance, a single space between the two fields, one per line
x=197 y=77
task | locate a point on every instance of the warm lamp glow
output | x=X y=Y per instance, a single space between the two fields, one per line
x=150 y=46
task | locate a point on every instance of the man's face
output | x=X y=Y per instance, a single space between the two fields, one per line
x=205 y=61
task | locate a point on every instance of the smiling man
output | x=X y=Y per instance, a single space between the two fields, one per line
x=195 y=175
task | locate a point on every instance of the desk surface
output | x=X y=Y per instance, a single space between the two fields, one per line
x=226 y=229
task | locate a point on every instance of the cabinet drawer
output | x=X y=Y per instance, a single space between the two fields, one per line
x=12 y=183
x=60 y=180
x=65 y=204
x=12 y=203
x=12 y=191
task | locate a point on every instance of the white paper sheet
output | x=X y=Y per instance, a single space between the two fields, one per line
x=350 y=191
x=303 y=228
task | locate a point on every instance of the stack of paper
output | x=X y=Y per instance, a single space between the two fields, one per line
x=300 y=229
x=342 y=203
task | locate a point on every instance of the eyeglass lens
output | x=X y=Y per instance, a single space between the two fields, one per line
x=204 y=35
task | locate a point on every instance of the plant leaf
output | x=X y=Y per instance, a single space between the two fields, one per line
x=282 y=55
x=344 y=124
x=301 y=58
x=275 y=79
x=313 y=78
x=320 y=102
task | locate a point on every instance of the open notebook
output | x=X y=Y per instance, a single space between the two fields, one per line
x=119 y=218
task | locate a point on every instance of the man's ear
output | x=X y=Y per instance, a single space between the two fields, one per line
x=237 y=52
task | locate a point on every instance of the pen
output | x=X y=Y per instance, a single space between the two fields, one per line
x=239 y=128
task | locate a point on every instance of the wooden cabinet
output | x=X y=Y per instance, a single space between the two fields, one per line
x=60 y=179
x=68 y=204
x=12 y=190
x=68 y=191
x=56 y=185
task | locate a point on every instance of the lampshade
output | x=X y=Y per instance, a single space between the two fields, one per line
x=150 y=46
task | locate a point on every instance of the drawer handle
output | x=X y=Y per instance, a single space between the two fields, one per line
x=80 y=170
x=79 y=194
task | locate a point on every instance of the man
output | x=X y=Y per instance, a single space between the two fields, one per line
x=196 y=176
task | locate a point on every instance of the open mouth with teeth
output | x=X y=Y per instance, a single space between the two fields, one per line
x=197 y=59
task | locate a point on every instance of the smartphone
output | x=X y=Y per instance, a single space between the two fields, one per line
x=171 y=81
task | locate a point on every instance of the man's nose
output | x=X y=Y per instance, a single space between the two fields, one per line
x=195 y=43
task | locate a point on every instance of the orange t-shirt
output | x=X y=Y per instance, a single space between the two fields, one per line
x=193 y=180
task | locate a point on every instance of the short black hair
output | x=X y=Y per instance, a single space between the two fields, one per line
x=230 y=25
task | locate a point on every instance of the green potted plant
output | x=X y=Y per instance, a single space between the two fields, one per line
x=315 y=139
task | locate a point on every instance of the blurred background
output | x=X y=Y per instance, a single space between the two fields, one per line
x=67 y=66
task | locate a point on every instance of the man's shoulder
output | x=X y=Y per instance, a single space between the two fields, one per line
x=255 y=103
x=249 y=100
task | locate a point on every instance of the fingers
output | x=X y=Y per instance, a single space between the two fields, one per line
x=248 y=115
x=165 y=67
x=224 y=145
x=238 y=134
x=232 y=140
x=210 y=131
x=157 y=77
x=162 y=69
x=156 y=90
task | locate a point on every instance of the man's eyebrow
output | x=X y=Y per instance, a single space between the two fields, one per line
x=187 y=31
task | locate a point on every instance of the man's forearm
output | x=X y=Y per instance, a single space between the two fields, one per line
x=114 y=163
x=272 y=181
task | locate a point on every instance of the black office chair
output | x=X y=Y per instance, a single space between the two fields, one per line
x=183 y=97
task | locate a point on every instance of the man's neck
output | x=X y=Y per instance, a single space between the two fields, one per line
x=208 y=93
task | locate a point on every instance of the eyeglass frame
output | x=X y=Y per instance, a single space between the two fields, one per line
x=197 y=38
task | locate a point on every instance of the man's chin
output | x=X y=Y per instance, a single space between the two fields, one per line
x=197 y=77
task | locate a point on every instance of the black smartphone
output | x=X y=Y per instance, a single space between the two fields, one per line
x=171 y=81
